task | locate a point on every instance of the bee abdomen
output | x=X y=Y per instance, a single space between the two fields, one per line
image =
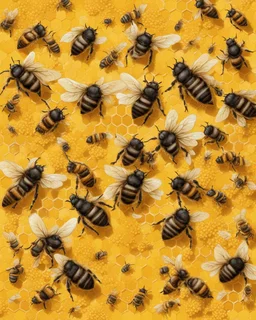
x=191 y=192
x=138 y=299
x=237 y=62
x=84 y=279
x=210 y=11
x=26 y=39
x=98 y=217
x=171 y=285
x=130 y=156
x=111 y=299
x=29 y=81
x=13 y=277
x=107 y=61
x=244 y=227
x=14 y=194
x=199 y=90
x=240 y=19
x=227 y=273
x=141 y=107
x=220 y=197
x=128 y=194
x=199 y=287
x=126 y=18
x=172 y=228
x=87 y=104
x=79 y=45
x=87 y=178
x=45 y=125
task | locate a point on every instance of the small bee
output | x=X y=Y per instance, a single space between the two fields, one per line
x=74 y=310
x=130 y=185
x=50 y=121
x=13 y=242
x=64 y=145
x=218 y=196
x=215 y=134
x=206 y=8
x=112 y=298
x=134 y=15
x=9 y=20
x=75 y=273
x=233 y=159
x=112 y=57
x=165 y=306
x=178 y=25
x=243 y=227
x=207 y=155
x=236 y=18
x=52 y=45
x=218 y=91
x=45 y=294
x=30 y=35
x=11 y=104
x=89 y=97
x=192 y=43
x=149 y=158
x=126 y=267
x=165 y=269
x=211 y=48
x=12 y=129
x=98 y=137
x=48 y=240
x=138 y=299
x=195 y=79
x=82 y=38
x=15 y=271
x=179 y=221
x=100 y=255
x=107 y=22
x=67 y=4
x=247 y=293
x=146 y=42
x=240 y=182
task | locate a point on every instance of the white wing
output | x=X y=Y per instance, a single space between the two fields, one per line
x=75 y=90
x=119 y=63
x=37 y=261
x=142 y=8
x=198 y=14
x=190 y=139
x=131 y=83
x=156 y=194
x=250 y=271
x=250 y=94
x=118 y=173
x=241 y=215
x=203 y=64
x=171 y=121
x=120 y=47
x=186 y=124
x=159 y=308
x=16 y=262
x=221 y=255
x=242 y=251
x=165 y=41
x=178 y=262
x=29 y=60
x=240 y=120
x=168 y=260
x=210 y=80
x=9 y=236
x=61 y=141
x=112 y=87
x=70 y=36
x=67 y=228
x=15 y=297
x=129 y=98
x=191 y=174
x=121 y=141
x=222 y=114
x=37 y=226
x=213 y=267
x=136 y=216
x=112 y=190
x=11 y=170
x=100 y=81
x=61 y=259
x=251 y=185
x=150 y=185
x=221 y=295
x=11 y=15
x=132 y=32
x=52 y=181
x=199 y=216
x=100 y=40
x=224 y=234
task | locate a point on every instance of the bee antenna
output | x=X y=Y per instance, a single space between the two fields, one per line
x=224 y=38
x=183 y=60
x=4 y=71
x=67 y=156
x=157 y=128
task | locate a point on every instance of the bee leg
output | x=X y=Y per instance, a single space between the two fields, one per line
x=14 y=206
x=10 y=32
x=183 y=98
x=49 y=254
x=21 y=89
x=150 y=59
x=68 y=286
x=142 y=158
x=115 y=201
x=160 y=106
x=88 y=226
x=139 y=23
x=156 y=223
x=35 y=197
x=118 y=156
x=44 y=305
x=96 y=278
x=7 y=83
x=245 y=63
x=231 y=21
x=105 y=204
x=198 y=185
x=140 y=198
x=190 y=238
x=210 y=141
x=147 y=117
x=179 y=199
x=77 y=183
x=101 y=114
x=57 y=279
x=126 y=57
x=245 y=278
x=90 y=52
x=171 y=86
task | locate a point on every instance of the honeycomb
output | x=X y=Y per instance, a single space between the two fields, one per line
x=127 y=240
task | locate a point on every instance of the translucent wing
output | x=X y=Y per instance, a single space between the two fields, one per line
x=112 y=87
x=240 y=120
x=44 y=75
x=221 y=295
x=203 y=64
x=70 y=36
x=191 y=175
x=223 y=56
x=131 y=83
x=29 y=60
x=100 y=40
x=11 y=170
x=9 y=236
x=121 y=46
x=250 y=271
x=11 y=15
x=222 y=114
x=119 y=63
x=251 y=185
x=16 y=262
x=37 y=261
x=210 y=80
x=213 y=267
x=53 y=181
x=136 y=216
x=242 y=251
x=171 y=120
x=249 y=94
x=159 y=308
x=224 y=234
x=178 y=262
x=168 y=260
x=61 y=259
x=37 y=226
x=142 y=8
x=132 y=32
x=67 y=228
x=198 y=14
x=165 y=41
x=150 y=185
x=118 y=173
x=112 y=190
x=241 y=215
x=199 y=216
x=121 y=141
x=220 y=254
x=15 y=297
x=156 y=194
x=75 y=90
x=129 y=98
x=32 y=163
x=186 y=124
x=61 y=141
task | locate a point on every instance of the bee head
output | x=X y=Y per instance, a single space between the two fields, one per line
x=34 y=300
x=230 y=99
x=183 y=274
x=230 y=13
x=72 y=198
x=137 y=144
x=199 y=3
x=71 y=167
x=143 y=290
x=40 y=30
x=219 y=160
x=16 y=70
x=208 y=129
x=140 y=174
x=211 y=193
x=89 y=139
x=178 y=68
x=57 y=114
x=154 y=85
x=230 y=42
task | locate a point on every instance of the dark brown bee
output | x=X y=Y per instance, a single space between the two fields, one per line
x=45 y=294
x=11 y=104
x=243 y=227
x=73 y=310
x=112 y=298
x=108 y=22
x=240 y=182
x=149 y=158
x=191 y=43
x=12 y=129
x=133 y=15
x=198 y=287
x=211 y=48
x=50 y=121
x=8 y=22
x=178 y=25
x=30 y=35
x=100 y=255
x=206 y=8
x=13 y=242
x=236 y=18
x=67 y=4
x=164 y=270
x=215 y=134
x=218 y=196
x=75 y=273
x=52 y=45
x=138 y=299
x=126 y=267
x=247 y=293
x=98 y=137
x=232 y=158
x=112 y=57
x=64 y=145
x=165 y=306
x=15 y=271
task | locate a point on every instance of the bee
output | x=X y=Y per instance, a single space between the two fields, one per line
x=100 y=255
x=236 y=18
x=26 y=180
x=134 y=15
x=9 y=20
x=112 y=298
x=149 y=158
x=240 y=182
x=240 y=104
x=215 y=134
x=206 y=8
x=48 y=240
x=178 y=25
x=195 y=79
x=112 y=57
x=165 y=269
x=75 y=273
x=45 y=294
x=179 y=221
x=207 y=155
x=88 y=208
x=211 y=48
x=192 y=43
x=198 y=287
x=89 y=97
x=233 y=159
x=218 y=91
x=52 y=45
x=31 y=76
x=186 y=185
x=165 y=306
x=12 y=129
x=64 y=145
x=247 y=293
x=15 y=271
x=145 y=42
x=13 y=242
x=73 y=310
x=67 y=4
x=141 y=99
x=243 y=227
x=50 y=121
x=82 y=38
x=11 y=104
x=107 y=22
x=98 y=137
x=138 y=299
x=234 y=53
x=126 y=267
x=218 y=196
x=30 y=35
x=130 y=185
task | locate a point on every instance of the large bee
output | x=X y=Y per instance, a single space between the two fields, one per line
x=89 y=208
x=240 y=105
x=247 y=293
x=179 y=221
x=31 y=76
x=74 y=272
x=232 y=158
x=165 y=306
x=129 y=186
x=64 y=144
x=82 y=38
x=30 y=35
x=186 y=185
x=112 y=57
x=98 y=137
x=215 y=134
x=233 y=53
x=206 y=8
x=48 y=240
x=243 y=227
x=26 y=180
x=230 y=267
x=16 y=270
x=45 y=294
x=13 y=242
x=146 y=42
x=8 y=22
x=112 y=298
x=52 y=45
x=218 y=196
x=240 y=182
x=138 y=299
x=236 y=18
x=134 y=15
x=67 y=4
x=11 y=104
x=50 y=121
x=141 y=99
x=195 y=80
x=89 y=97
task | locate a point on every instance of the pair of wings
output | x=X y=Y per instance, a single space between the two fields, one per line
x=199 y=12
x=132 y=85
x=16 y=262
x=120 y=174
x=9 y=236
x=70 y=36
x=11 y=15
x=191 y=174
x=15 y=172
x=177 y=263
x=251 y=185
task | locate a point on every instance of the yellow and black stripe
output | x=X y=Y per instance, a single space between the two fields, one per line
x=198 y=287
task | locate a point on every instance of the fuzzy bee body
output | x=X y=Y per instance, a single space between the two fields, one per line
x=50 y=121
x=45 y=294
x=98 y=137
x=91 y=99
x=232 y=158
x=247 y=293
x=100 y=255
x=31 y=35
x=231 y=269
x=108 y=21
x=83 y=172
x=109 y=59
x=178 y=25
x=126 y=268
x=9 y=20
x=15 y=271
x=133 y=15
x=165 y=306
x=198 y=287
x=12 y=129
x=138 y=299
x=218 y=196
x=67 y=4
x=83 y=41
x=172 y=285
x=64 y=144
x=112 y=298
x=241 y=105
x=243 y=227
x=13 y=242
x=214 y=133
x=11 y=104
x=51 y=43
x=236 y=18
x=207 y=9
x=164 y=270
x=132 y=187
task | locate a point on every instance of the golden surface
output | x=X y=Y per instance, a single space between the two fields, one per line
x=136 y=242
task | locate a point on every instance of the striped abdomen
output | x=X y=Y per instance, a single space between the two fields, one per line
x=237 y=62
x=244 y=228
x=66 y=4
x=46 y=124
x=46 y=293
x=198 y=287
x=97 y=137
x=111 y=299
x=220 y=197
x=199 y=89
x=172 y=227
x=130 y=16
x=239 y=19
x=109 y=60
x=52 y=44
x=97 y=216
x=82 y=277
x=190 y=191
x=79 y=45
x=232 y=269
x=14 y=244
x=129 y=193
x=14 y=273
x=88 y=104
x=27 y=38
x=172 y=285
x=37 y=249
x=246 y=108
x=141 y=107
x=30 y=82
x=130 y=155
x=86 y=176
x=210 y=11
x=138 y=299
x=6 y=24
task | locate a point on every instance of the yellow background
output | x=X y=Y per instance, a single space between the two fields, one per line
x=136 y=242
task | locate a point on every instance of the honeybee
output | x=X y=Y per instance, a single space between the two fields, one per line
x=218 y=196
x=73 y=310
x=63 y=143
x=233 y=159
x=30 y=35
x=243 y=227
x=82 y=277
x=107 y=22
x=48 y=240
x=134 y=15
x=215 y=134
x=211 y=48
x=206 y=8
x=247 y=293
x=112 y=298
x=11 y=104
x=16 y=270
x=165 y=306
x=11 y=129
x=112 y=57
x=26 y=180
x=240 y=182
x=98 y=137
x=186 y=185
x=146 y=42
x=67 y=4
x=230 y=267
x=138 y=299
x=149 y=158
x=50 y=121
x=52 y=45
x=45 y=294
x=236 y=18
x=82 y=38
x=178 y=25
x=9 y=20
x=126 y=267
x=240 y=105
x=198 y=287
x=13 y=242
x=89 y=208
x=165 y=269
x=207 y=155
x=195 y=79
x=100 y=255
x=89 y=97
x=129 y=186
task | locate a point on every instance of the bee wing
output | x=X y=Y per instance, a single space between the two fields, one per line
x=207 y=154
x=159 y=308
x=223 y=56
x=213 y=267
x=156 y=194
x=52 y=181
x=13 y=298
x=61 y=141
x=61 y=259
x=142 y=8
x=71 y=35
x=32 y=163
x=251 y=185
x=112 y=190
x=9 y=236
x=75 y=90
x=112 y=87
x=37 y=261
x=16 y=262
x=118 y=173
x=165 y=41
x=190 y=139
x=241 y=215
x=121 y=46
x=136 y=216
x=186 y=124
x=132 y=84
x=129 y=98
x=100 y=40
x=151 y=184
x=178 y=262
x=221 y=255
x=121 y=141
x=67 y=228
x=119 y=63
x=37 y=226
x=222 y=114
x=132 y=32
x=29 y=60
x=240 y=120
x=221 y=295
x=226 y=187
x=203 y=64
x=44 y=75
x=11 y=170
x=191 y=174
x=208 y=2
x=242 y=251
x=168 y=260
x=250 y=94
x=171 y=121
x=224 y=234
x=210 y=80
x=250 y=271
x=11 y=15
x=199 y=216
